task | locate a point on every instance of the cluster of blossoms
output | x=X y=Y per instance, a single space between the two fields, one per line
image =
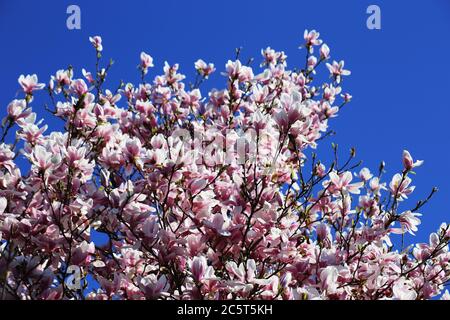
x=217 y=197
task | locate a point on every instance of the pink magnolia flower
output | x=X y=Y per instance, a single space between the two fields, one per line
x=347 y=97
x=97 y=43
x=153 y=286
x=408 y=162
x=312 y=62
x=63 y=77
x=320 y=170
x=198 y=185
x=273 y=58
x=18 y=109
x=79 y=87
x=171 y=75
x=269 y=55
x=328 y=278
x=403 y=291
x=324 y=234
x=44 y=159
x=365 y=174
x=88 y=76
x=409 y=222
x=375 y=186
x=146 y=62
x=198 y=267
x=6 y=157
x=109 y=97
x=324 y=52
x=342 y=182
x=150 y=228
x=203 y=68
x=400 y=188
x=82 y=254
x=30 y=130
x=337 y=70
x=219 y=224
x=235 y=69
x=30 y=83
x=312 y=38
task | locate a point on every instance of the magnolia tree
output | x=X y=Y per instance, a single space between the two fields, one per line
x=193 y=197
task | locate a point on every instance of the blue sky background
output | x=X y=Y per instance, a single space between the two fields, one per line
x=400 y=74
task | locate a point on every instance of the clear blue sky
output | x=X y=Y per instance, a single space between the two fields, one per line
x=400 y=74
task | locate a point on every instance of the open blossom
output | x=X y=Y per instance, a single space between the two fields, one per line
x=109 y=97
x=154 y=287
x=88 y=76
x=17 y=109
x=312 y=38
x=203 y=68
x=44 y=159
x=81 y=254
x=6 y=157
x=404 y=291
x=328 y=277
x=97 y=43
x=365 y=174
x=400 y=186
x=347 y=97
x=174 y=193
x=63 y=77
x=376 y=186
x=408 y=162
x=235 y=69
x=409 y=222
x=342 y=182
x=273 y=58
x=337 y=70
x=30 y=83
x=79 y=87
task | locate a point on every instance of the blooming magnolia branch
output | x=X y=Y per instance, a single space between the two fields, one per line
x=203 y=198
